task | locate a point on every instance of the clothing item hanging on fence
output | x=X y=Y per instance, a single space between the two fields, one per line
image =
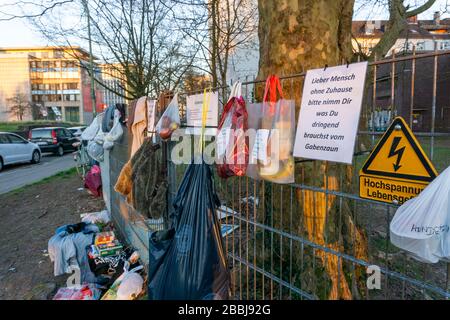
x=124 y=184
x=139 y=124
x=143 y=181
x=231 y=141
x=190 y=263
x=422 y=225
x=149 y=179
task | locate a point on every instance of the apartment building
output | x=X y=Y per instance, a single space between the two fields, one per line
x=114 y=88
x=54 y=80
x=424 y=35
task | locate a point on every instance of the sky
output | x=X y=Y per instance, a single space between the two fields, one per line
x=18 y=33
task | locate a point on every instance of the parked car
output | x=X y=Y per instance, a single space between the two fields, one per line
x=77 y=131
x=55 y=139
x=15 y=149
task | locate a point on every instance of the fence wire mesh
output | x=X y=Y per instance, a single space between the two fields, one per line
x=316 y=239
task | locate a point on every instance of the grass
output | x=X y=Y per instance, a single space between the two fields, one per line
x=63 y=175
x=18 y=125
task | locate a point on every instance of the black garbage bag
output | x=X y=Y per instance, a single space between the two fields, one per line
x=188 y=262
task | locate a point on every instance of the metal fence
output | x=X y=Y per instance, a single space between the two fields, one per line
x=315 y=239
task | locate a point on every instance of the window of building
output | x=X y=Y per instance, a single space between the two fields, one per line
x=58 y=54
x=72 y=114
x=51 y=114
x=44 y=55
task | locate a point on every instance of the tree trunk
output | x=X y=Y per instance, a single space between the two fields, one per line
x=297 y=35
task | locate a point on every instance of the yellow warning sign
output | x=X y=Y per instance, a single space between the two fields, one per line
x=397 y=169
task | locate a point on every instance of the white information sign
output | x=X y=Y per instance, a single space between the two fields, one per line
x=194 y=105
x=329 y=114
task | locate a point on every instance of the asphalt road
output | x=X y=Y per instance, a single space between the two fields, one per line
x=16 y=176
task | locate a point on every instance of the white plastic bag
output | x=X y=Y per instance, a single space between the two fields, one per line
x=421 y=225
x=95 y=150
x=92 y=130
x=170 y=120
x=97 y=217
x=130 y=287
x=115 y=133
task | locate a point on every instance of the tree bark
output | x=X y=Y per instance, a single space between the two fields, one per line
x=297 y=35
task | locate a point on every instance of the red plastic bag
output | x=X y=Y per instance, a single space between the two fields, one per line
x=271 y=156
x=93 y=181
x=232 y=143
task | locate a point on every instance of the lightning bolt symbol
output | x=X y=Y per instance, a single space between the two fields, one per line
x=394 y=152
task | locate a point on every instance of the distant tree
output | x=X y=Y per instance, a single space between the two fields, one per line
x=19 y=105
x=135 y=38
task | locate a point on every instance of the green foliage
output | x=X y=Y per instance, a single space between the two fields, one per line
x=22 y=125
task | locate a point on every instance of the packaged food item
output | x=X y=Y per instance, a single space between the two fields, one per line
x=109 y=249
x=134 y=258
x=104 y=237
x=170 y=120
x=92 y=252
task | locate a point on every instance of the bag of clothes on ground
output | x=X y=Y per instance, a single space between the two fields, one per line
x=100 y=258
x=67 y=249
x=188 y=262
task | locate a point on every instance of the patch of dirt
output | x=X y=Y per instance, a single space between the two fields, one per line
x=28 y=220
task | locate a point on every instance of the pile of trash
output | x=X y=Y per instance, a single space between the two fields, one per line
x=100 y=266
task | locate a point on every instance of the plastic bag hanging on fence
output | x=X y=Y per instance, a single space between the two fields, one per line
x=115 y=132
x=170 y=120
x=271 y=148
x=93 y=181
x=231 y=140
x=190 y=263
x=422 y=225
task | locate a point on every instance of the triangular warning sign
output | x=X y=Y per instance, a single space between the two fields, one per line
x=399 y=155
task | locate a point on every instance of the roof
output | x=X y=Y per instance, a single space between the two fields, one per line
x=419 y=30
x=48 y=48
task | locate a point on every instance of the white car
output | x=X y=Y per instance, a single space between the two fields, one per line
x=15 y=149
